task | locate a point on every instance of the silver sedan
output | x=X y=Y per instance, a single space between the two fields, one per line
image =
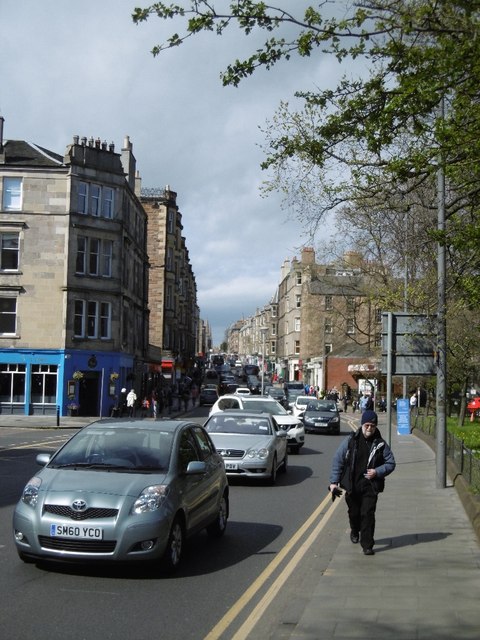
x=251 y=443
x=123 y=491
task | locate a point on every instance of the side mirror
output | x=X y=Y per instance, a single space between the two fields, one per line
x=43 y=459
x=196 y=467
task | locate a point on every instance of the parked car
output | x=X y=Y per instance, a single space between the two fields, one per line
x=293 y=426
x=123 y=491
x=208 y=395
x=250 y=370
x=251 y=443
x=321 y=416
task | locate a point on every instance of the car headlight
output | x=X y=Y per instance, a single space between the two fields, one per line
x=30 y=493
x=257 y=453
x=150 y=499
x=308 y=420
x=336 y=419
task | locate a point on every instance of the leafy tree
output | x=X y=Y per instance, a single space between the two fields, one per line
x=385 y=134
x=383 y=129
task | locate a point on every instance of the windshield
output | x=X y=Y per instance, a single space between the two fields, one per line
x=321 y=405
x=248 y=425
x=268 y=406
x=116 y=449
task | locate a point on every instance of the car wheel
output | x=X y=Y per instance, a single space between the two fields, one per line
x=173 y=552
x=217 y=528
x=273 y=473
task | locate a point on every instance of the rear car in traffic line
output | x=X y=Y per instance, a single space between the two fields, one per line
x=251 y=444
x=292 y=425
x=321 y=416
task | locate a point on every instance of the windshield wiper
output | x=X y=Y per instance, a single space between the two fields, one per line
x=92 y=465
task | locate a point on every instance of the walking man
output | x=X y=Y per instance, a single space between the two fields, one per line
x=360 y=466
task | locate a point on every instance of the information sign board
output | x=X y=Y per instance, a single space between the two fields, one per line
x=403 y=416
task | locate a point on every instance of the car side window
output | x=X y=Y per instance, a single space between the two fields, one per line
x=203 y=442
x=187 y=451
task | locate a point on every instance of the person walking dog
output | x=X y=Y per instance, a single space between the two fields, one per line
x=360 y=466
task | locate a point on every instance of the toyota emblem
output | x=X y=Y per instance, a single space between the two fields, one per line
x=79 y=505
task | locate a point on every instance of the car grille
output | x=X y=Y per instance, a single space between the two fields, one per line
x=88 y=514
x=79 y=546
x=232 y=453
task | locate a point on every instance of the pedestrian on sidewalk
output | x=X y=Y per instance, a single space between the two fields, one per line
x=360 y=466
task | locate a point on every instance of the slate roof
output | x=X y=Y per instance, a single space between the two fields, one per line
x=20 y=153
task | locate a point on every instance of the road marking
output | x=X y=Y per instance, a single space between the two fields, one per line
x=236 y=609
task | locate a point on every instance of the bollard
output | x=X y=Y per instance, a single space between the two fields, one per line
x=58 y=416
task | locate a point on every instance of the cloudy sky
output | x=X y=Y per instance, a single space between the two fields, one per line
x=83 y=68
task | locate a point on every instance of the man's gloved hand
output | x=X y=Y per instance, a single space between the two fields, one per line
x=335 y=491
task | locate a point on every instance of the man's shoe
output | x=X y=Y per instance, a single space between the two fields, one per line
x=354 y=537
x=369 y=552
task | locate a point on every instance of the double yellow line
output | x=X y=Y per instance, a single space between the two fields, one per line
x=255 y=587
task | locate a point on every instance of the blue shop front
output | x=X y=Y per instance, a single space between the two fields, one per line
x=74 y=382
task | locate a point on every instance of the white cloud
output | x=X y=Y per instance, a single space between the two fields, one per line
x=85 y=68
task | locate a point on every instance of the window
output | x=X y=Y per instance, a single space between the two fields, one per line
x=273 y=330
x=107 y=253
x=9 y=247
x=99 y=253
x=328 y=326
x=92 y=319
x=93 y=258
x=272 y=347
x=297 y=347
x=82 y=197
x=12 y=194
x=107 y=208
x=203 y=443
x=274 y=312
x=80 y=265
x=350 y=325
x=378 y=316
x=378 y=340
x=299 y=277
x=92 y=329
x=328 y=303
x=350 y=303
x=328 y=348
x=297 y=324
x=169 y=261
x=105 y=320
x=79 y=319
x=95 y=199
x=12 y=383
x=170 y=219
x=44 y=383
x=298 y=301
x=8 y=316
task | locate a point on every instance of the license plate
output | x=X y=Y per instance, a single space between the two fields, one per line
x=76 y=531
x=231 y=466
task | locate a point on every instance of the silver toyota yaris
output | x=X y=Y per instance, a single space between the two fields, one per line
x=123 y=490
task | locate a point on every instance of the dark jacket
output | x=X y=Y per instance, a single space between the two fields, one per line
x=381 y=459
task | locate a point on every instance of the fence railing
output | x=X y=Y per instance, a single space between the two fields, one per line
x=462 y=457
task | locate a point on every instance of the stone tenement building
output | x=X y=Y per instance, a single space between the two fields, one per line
x=175 y=326
x=74 y=279
x=321 y=326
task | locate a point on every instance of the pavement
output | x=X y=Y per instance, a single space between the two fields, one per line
x=423 y=583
